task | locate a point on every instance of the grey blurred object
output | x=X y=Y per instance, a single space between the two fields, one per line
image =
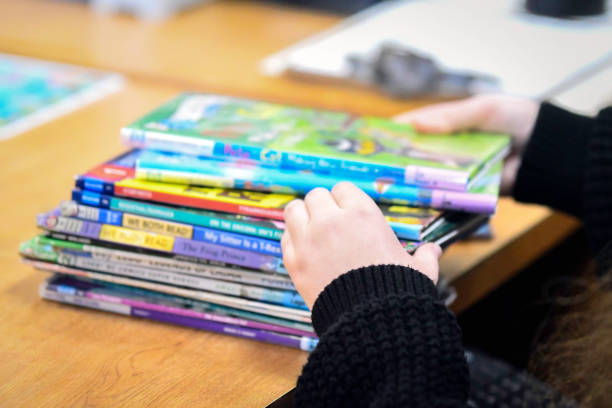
x=406 y=74
x=566 y=8
x=152 y=10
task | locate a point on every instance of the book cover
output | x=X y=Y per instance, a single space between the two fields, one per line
x=179 y=168
x=321 y=141
x=34 y=91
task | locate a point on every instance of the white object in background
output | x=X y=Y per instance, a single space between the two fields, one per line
x=530 y=55
x=152 y=10
x=589 y=96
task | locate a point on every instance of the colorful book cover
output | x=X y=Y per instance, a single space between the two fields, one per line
x=137 y=222
x=53 y=221
x=93 y=295
x=117 y=177
x=193 y=170
x=321 y=141
x=407 y=222
x=84 y=255
x=33 y=91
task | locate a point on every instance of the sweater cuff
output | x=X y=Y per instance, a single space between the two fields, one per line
x=363 y=285
x=552 y=167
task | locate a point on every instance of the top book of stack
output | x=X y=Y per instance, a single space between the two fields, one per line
x=323 y=141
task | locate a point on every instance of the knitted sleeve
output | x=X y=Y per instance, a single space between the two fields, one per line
x=567 y=165
x=385 y=341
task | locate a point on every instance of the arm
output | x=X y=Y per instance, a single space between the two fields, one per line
x=385 y=339
x=571 y=157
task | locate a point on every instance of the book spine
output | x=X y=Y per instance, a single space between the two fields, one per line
x=84 y=212
x=164 y=243
x=411 y=175
x=191 y=268
x=304 y=343
x=94 y=184
x=283 y=312
x=229 y=239
x=157 y=226
x=176 y=214
x=169 y=262
x=196 y=202
x=281 y=297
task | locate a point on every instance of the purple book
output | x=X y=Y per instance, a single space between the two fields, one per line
x=243 y=328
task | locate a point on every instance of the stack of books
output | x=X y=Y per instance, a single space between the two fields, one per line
x=186 y=227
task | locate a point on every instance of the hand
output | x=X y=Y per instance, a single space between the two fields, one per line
x=331 y=233
x=489 y=113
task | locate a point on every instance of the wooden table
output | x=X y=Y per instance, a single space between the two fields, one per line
x=55 y=355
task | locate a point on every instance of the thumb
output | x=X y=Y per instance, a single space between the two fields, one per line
x=448 y=117
x=425 y=260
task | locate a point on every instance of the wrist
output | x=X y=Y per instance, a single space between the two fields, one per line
x=552 y=167
x=367 y=284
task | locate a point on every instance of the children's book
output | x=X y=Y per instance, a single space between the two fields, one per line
x=116 y=257
x=33 y=92
x=117 y=299
x=241 y=224
x=322 y=141
x=118 y=177
x=181 y=230
x=193 y=170
x=406 y=222
x=289 y=313
x=54 y=221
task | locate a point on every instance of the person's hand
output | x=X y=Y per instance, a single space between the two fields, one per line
x=331 y=233
x=489 y=113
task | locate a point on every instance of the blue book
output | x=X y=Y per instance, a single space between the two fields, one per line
x=180 y=168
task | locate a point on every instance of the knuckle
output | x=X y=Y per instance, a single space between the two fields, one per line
x=291 y=207
x=342 y=186
x=315 y=192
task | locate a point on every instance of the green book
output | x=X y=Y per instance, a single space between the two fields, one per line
x=324 y=142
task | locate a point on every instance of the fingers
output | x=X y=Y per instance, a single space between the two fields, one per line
x=347 y=195
x=448 y=117
x=296 y=218
x=319 y=201
x=426 y=260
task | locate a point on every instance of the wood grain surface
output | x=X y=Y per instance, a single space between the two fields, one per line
x=61 y=356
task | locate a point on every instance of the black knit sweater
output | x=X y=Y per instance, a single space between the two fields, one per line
x=386 y=340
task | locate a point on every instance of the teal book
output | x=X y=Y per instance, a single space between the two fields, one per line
x=325 y=142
